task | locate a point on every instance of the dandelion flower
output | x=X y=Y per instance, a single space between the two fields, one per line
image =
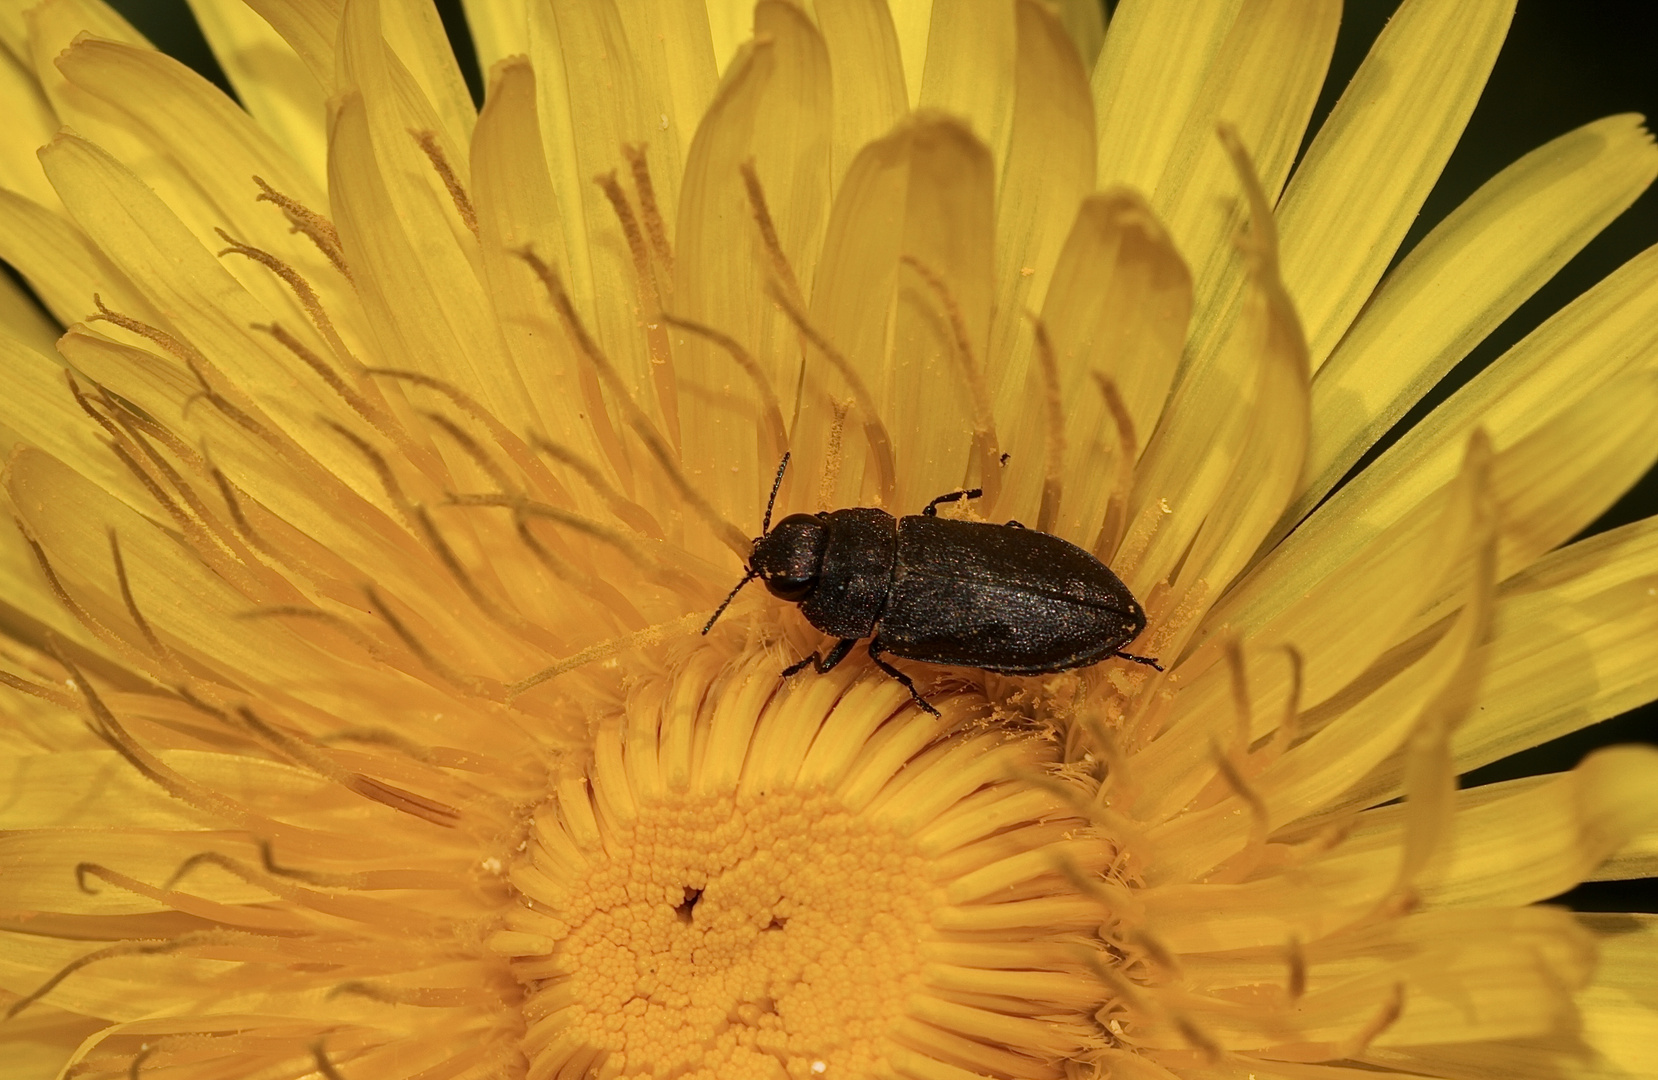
x=387 y=456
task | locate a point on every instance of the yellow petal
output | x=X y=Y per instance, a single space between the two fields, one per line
x=1618 y=1017
x=1150 y=71
x=971 y=46
x=1463 y=279
x=1579 y=350
x=1376 y=157
x=1049 y=168
x=1117 y=308
x=30 y=124
x=61 y=263
x=772 y=115
x=860 y=37
x=925 y=192
x=270 y=79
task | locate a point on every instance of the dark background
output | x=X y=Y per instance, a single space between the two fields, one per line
x=1565 y=62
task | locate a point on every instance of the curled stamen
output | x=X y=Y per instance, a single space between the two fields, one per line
x=138 y=619
x=474 y=592
x=325 y=371
x=984 y=421
x=1112 y=539
x=875 y=432
x=141 y=947
x=780 y=267
x=428 y=142
x=771 y=409
x=480 y=457
x=1295 y=958
x=307 y=296
x=324 y=1066
x=624 y=508
x=381 y=467
x=733 y=537
x=45 y=693
x=651 y=635
x=319 y=229
x=1236 y=867
x=1054 y=437
x=138 y=1060
x=654 y=225
x=469 y=683
x=650 y=299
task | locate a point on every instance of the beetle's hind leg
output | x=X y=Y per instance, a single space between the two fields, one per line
x=1146 y=660
x=931 y=509
x=909 y=683
x=825 y=664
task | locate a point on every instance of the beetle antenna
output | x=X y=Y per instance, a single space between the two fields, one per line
x=730 y=596
x=765 y=524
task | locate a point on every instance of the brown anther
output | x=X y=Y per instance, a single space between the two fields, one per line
x=404 y=801
x=307 y=296
x=875 y=432
x=141 y=947
x=474 y=592
x=428 y=142
x=1047 y=364
x=984 y=421
x=324 y=370
x=382 y=469
x=301 y=219
x=1386 y=1016
x=655 y=227
x=1243 y=712
x=138 y=1060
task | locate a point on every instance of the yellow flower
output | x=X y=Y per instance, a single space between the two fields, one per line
x=357 y=722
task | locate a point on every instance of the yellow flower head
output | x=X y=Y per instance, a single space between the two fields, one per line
x=356 y=718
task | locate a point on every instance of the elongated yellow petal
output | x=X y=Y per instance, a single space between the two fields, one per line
x=1381 y=150
x=1463 y=279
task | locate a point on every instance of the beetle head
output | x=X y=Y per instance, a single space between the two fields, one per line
x=789 y=557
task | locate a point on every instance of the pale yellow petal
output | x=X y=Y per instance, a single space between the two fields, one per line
x=1049 y=168
x=772 y=115
x=412 y=256
x=498 y=30
x=270 y=79
x=1583 y=347
x=1545 y=839
x=970 y=67
x=913 y=22
x=1150 y=72
x=926 y=193
x=22 y=319
x=30 y=124
x=670 y=43
x=1463 y=279
x=1618 y=1018
x=1263 y=83
x=1084 y=21
x=415 y=34
x=860 y=37
x=1117 y=309
x=516 y=208
x=1376 y=157
x=309 y=27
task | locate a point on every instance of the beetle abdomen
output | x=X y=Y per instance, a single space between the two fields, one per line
x=1003 y=599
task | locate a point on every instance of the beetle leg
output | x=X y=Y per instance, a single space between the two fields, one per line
x=823 y=664
x=931 y=509
x=909 y=683
x=1146 y=660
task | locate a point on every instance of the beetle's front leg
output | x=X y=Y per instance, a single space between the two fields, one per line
x=909 y=683
x=931 y=509
x=1146 y=660
x=823 y=664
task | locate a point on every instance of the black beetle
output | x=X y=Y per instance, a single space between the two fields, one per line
x=970 y=593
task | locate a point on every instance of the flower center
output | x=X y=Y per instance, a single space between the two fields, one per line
x=756 y=879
